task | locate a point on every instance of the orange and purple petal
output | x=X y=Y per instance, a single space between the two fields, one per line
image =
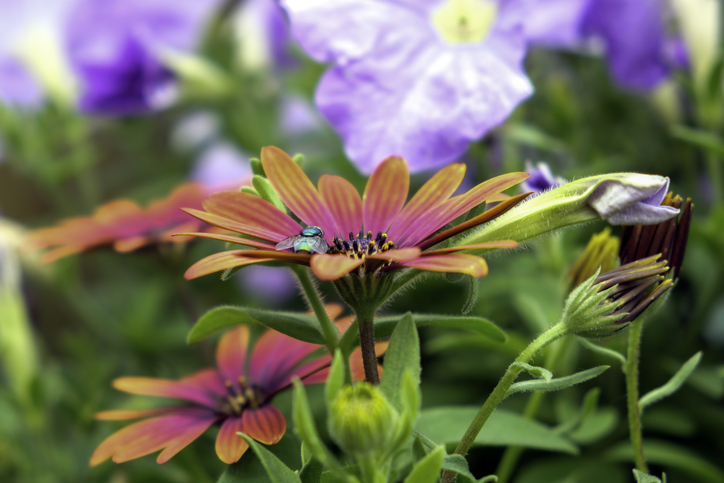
x=239 y=258
x=247 y=214
x=398 y=255
x=123 y=414
x=332 y=267
x=229 y=445
x=208 y=379
x=454 y=262
x=295 y=190
x=231 y=353
x=229 y=239
x=274 y=357
x=151 y=435
x=385 y=194
x=438 y=189
x=151 y=386
x=265 y=424
x=454 y=207
x=494 y=245
x=344 y=203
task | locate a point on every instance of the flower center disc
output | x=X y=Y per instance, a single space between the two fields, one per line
x=362 y=245
x=239 y=397
x=464 y=21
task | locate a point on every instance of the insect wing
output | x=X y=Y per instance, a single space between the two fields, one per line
x=317 y=244
x=288 y=243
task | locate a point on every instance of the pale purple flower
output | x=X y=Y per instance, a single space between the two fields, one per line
x=262 y=31
x=541 y=178
x=219 y=164
x=17 y=87
x=634 y=39
x=116 y=46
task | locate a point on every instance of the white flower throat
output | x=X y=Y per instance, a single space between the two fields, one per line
x=464 y=21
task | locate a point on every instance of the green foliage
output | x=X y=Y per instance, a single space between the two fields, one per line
x=278 y=472
x=264 y=465
x=672 y=385
x=427 y=470
x=403 y=356
x=555 y=384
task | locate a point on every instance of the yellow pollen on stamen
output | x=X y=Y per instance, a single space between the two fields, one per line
x=361 y=246
x=464 y=21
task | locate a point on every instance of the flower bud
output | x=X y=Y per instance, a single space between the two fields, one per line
x=618 y=198
x=362 y=421
x=600 y=253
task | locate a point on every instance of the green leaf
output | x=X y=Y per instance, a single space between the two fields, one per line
x=307 y=431
x=278 y=472
x=528 y=135
x=702 y=139
x=488 y=479
x=557 y=383
x=642 y=477
x=670 y=455
x=535 y=371
x=385 y=325
x=473 y=293
x=590 y=402
x=403 y=355
x=312 y=471
x=299 y=326
x=250 y=468
x=672 y=385
x=596 y=427
x=418 y=449
x=428 y=468
x=446 y=425
x=458 y=464
x=603 y=351
x=335 y=379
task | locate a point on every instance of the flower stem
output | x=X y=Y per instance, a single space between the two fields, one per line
x=512 y=453
x=631 y=370
x=328 y=330
x=366 y=324
x=498 y=394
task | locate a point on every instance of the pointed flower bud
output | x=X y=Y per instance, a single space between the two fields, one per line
x=600 y=253
x=618 y=198
x=362 y=421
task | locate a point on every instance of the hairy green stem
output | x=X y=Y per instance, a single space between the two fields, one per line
x=631 y=370
x=366 y=324
x=512 y=453
x=498 y=394
x=328 y=329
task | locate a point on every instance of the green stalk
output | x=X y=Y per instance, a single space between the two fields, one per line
x=512 y=453
x=366 y=324
x=498 y=394
x=631 y=370
x=328 y=329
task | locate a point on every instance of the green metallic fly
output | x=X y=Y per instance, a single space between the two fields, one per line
x=311 y=239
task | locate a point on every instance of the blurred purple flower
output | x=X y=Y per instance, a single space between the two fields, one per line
x=634 y=38
x=268 y=285
x=17 y=86
x=541 y=178
x=115 y=47
x=263 y=33
x=422 y=79
x=219 y=164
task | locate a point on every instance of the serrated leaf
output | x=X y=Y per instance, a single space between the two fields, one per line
x=642 y=477
x=299 y=326
x=277 y=471
x=427 y=470
x=556 y=384
x=403 y=355
x=446 y=425
x=672 y=385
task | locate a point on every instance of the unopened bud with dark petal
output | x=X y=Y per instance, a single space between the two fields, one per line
x=362 y=421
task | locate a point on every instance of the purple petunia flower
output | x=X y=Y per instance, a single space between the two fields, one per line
x=420 y=79
x=634 y=38
x=115 y=47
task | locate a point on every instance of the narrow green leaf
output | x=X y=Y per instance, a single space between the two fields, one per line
x=702 y=139
x=446 y=425
x=427 y=470
x=335 y=379
x=535 y=371
x=312 y=471
x=250 y=467
x=473 y=293
x=419 y=450
x=299 y=326
x=403 y=355
x=672 y=385
x=307 y=431
x=604 y=351
x=458 y=464
x=642 y=477
x=488 y=479
x=529 y=135
x=385 y=325
x=596 y=427
x=277 y=471
x=670 y=455
x=590 y=402
x=557 y=383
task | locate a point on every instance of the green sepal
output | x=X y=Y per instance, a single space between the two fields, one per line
x=427 y=470
x=278 y=472
x=256 y=167
x=299 y=326
x=300 y=159
x=267 y=192
x=673 y=384
x=555 y=384
x=250 y=190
